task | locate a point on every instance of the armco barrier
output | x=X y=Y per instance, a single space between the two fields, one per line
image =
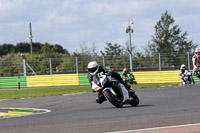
x=145 y=77
x=12 y=82
x=52 y=80
x=81 y=79
x=157 y=76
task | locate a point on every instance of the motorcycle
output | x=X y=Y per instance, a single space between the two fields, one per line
x=187 y=78
x=131 y=79
x=115 y=92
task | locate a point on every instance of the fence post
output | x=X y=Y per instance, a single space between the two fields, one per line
x=131 y=62
x=76 y=62
x=50 y=67
x=103 y=58
x=159 y=58
x=188 y=55
x=18 y=81
x=24 y=64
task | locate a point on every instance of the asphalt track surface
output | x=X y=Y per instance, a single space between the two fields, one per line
x=79 y=113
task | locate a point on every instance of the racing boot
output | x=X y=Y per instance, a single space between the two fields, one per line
x=100 y=99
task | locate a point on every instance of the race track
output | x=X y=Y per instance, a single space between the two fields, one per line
x=79 y=113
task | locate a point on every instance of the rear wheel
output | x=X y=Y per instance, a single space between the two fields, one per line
x=116 y=101
x=135 y=100
x=192 y=81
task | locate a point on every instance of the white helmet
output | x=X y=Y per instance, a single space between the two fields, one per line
x=197 y=50
x=93 y=67
x=183 y=67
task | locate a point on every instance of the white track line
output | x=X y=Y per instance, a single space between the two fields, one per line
x=147 y=129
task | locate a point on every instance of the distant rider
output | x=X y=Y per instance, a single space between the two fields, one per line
x=196 y=62
x=183 y=69
x=93 y=70
x=125 y=75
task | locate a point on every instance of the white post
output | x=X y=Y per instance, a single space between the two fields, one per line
x=77 y=64
x=50 y=63
x=103 y=58
x=159 y=58
x=24 y=66
x=131 y=61
x=130 y=30
x=188 y=55
x=31 y=39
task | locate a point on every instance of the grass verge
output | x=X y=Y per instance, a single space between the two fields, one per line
x=54 y=91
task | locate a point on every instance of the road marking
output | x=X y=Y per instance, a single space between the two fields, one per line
x=187 y=128
x=71 y=94
x=8 y=112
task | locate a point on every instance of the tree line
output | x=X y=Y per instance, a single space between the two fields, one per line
x=38 y=48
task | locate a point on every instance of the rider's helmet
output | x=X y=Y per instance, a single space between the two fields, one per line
x=124 y=70
x=183 y=67
x=93 y=67
x=197 y=52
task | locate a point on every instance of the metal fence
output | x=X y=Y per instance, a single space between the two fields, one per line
x=78 y=64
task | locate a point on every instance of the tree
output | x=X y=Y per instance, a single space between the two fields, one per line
x=58 y=49
x=126 y=49
x=6 y=49
x=168 y=37
x=22 y=47
x=37 y=46
x=47 y=48
x=113 y=50
x=84 y=49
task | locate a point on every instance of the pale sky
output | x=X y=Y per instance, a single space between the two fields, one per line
x=72 y=22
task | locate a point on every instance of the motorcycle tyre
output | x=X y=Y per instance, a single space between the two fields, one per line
x=192 y=81
x=135 y=100
x=112 y=99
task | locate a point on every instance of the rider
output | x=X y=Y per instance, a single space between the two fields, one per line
x=93 y=70
x=125 y=74
x=183 y=68
x=196 y=62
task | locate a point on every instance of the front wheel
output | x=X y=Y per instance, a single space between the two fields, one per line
x=116 y=101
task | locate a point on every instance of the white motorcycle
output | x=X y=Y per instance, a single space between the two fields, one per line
x=187 y=78
x=115 y=92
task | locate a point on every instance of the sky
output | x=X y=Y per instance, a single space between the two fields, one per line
x=72 y=23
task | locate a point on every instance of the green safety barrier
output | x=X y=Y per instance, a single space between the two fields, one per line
x=83 y=79
x=12 y=82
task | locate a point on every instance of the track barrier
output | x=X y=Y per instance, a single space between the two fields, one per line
x=81 y=79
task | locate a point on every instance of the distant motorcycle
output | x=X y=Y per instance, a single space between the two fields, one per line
x=131 y=79
x=115 y=92
x=187 y=78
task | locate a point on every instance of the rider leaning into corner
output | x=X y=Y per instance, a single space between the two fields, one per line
x=93 y=70
x=196 y=62
x=183 y=69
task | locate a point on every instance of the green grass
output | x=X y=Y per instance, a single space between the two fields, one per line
x=54 y=91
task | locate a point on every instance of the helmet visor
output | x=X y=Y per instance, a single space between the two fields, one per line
x=91 y=70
